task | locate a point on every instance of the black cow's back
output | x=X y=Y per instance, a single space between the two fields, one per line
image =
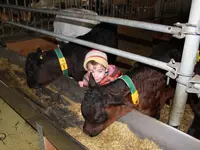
x=103 y=33
x=40 y=72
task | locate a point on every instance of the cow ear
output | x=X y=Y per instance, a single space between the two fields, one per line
x=38 y=50
x=92 y=83
x=40 y=55
x=115 y=99
x=119 y=98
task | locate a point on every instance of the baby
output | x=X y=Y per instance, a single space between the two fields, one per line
x=96 y=63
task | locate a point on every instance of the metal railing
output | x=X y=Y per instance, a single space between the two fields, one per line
x=126 y=9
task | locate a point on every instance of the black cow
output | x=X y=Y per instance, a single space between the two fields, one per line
x=43 y=67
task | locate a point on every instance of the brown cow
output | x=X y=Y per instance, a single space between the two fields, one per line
x=103 y=105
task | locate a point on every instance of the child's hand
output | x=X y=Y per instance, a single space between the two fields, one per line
x=81 y=84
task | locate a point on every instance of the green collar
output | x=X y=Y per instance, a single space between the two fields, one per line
x=134 y=92
x=62 y=61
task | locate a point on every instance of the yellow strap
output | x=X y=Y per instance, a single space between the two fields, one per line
x=135 y=98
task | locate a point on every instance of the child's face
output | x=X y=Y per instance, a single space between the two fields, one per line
x=98 y=71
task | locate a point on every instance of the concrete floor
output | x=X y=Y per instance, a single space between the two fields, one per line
x=19 y=134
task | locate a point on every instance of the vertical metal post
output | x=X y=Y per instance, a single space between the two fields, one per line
x=95 y=5
x=65 y=4
x=68 y=3
x=158 y=10
x=104 y=7
x=109 y=8
x=41 y=136
x=2 y=24
x=75 y=3
x=99 y=7
x=24 y=3
x=18 y=15
x=34 y=20
x=60 y=5
x=41 y=21
x=48 y=18
x=72 y=3
x=123 y=11
x=16 y=2
x=10 y=16
x=190 y=49
x=28 y=12
x=90 y=4
x=113 y=7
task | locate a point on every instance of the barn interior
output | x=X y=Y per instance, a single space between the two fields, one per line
x=50 y=117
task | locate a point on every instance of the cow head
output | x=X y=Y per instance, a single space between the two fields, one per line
x=32 y=65
x=100 y=108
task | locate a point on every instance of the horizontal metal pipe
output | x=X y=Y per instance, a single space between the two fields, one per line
x=118 y=21
x=142 y=59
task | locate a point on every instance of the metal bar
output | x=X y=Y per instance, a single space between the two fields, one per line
x=68 y=3
x=27 y=13
x=24 y=3
x=10 y=16
x=72 y=3
x=107 y=8
x=123 y=11
x=60 y=4
x=41 y=21
x=75 y=4
x=190 y=49
x=99 y=7
x=34 y=19
x=48 y=24
x=41 y=136
x=113 y=9
x=2 y=28
x=11 y=12
x=95 y=5
x=18 y=14
x=90 y=4
x=166 y=137
x=125 y=22
x=104 y=8
x=142 y=59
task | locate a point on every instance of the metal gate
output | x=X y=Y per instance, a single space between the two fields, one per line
x=127 y=9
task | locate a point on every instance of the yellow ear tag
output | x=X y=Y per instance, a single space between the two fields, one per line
x=135 y=97
x=41 y=57
x=63 y=63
